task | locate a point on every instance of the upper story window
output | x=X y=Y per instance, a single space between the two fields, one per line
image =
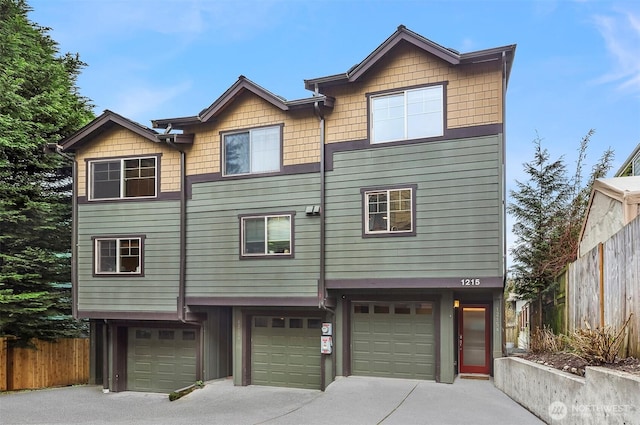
x=408 y=114
x=252 y=152
x=118 y=255
x=389 y=211
x=123 y=178
x=268 y=235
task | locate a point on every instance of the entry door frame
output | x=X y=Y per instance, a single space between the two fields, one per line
x=487 y=339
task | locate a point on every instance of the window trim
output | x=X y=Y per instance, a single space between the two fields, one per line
x=223 y=167
x=365 y=211
x=291 y=254
x=404 y=90
x=118 y=238
x=89 y=180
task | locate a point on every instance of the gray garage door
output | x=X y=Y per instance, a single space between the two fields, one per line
x=393 y=339
x=161 y=360
x=285 y=352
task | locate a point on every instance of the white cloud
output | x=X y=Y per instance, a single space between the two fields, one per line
x=140 y=101
x=621 y=34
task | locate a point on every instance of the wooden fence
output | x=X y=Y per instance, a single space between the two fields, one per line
x=603 y=287
x=49 y=364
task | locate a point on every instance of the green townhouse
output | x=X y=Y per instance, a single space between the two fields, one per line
x=358 y=231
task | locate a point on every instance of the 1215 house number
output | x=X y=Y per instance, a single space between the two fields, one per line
x=470 y=282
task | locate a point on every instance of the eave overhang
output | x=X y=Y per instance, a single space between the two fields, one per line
x=106 y=121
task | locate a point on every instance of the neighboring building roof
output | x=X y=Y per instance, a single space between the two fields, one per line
x=612 y=205
x=241 y=86
x=104 y=122
x=631 y=166
x=620 y=188
x=403 y=34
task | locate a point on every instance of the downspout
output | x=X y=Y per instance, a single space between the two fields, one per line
x=182 y=282
x=321 y=281
x=504 y=201
x=322 y=291
x=182 y=277
x=74 y=240
x=105 y=356
x=504 y=160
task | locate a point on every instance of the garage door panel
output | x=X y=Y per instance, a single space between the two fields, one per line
x=424 y=349
x=382 y=347
x=361 y=327
x=393 y=345
x=142 y=367
x=287 y=355
x=403 y=329
x=382 y=328
x=403 y=348
x=160 y=360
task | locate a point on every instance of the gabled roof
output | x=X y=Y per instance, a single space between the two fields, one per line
x=403 y=34
x=241 y=86
x=104 y=122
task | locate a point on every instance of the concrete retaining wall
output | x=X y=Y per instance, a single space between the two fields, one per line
x=603 y=396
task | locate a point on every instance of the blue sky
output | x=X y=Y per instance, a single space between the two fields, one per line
x=577 y=63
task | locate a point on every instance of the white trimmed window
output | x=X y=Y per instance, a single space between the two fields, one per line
x=123 y=178
x=408 y=114
x=252 y=152
x=118 y=255
x=389 y=211
x=268 y=235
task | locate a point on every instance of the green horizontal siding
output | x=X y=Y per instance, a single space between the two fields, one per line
x=157 y=290
x=214 y=267
x=458 y=211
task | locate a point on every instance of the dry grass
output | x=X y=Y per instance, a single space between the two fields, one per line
x=545 y=341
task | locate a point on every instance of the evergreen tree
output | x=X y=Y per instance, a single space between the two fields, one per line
x=538 y=206
x=39 y=105
x=549 y=210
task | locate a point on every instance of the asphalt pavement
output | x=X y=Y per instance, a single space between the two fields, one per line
x=347 y=401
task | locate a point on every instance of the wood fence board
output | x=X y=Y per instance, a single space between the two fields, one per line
x=615 y=283
x=3 y=364
x=49 y=364
x=621 y=269
x=584 y=303
x=633 y=286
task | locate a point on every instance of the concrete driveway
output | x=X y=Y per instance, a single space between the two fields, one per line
x=352 y=400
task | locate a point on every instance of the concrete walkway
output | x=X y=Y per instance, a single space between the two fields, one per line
x=353 y=400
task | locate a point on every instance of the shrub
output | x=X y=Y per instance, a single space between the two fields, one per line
x=599 y=345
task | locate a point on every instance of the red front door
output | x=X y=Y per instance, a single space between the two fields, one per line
x=473 y=343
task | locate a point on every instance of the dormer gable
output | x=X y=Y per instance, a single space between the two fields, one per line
x=108 y=120
x=402 y=35
x=240 y=87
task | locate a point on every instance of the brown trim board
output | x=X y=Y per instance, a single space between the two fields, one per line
x=414 y=283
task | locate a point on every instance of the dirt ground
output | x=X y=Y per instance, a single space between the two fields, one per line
x=572 y=363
